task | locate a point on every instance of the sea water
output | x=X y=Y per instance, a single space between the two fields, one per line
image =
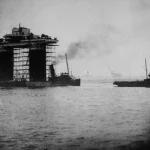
x=93 y=116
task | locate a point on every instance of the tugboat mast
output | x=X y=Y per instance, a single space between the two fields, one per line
x=67 y=63
x=146 y=68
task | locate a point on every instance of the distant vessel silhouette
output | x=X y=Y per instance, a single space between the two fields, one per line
x=115 y=75
x=138 y=83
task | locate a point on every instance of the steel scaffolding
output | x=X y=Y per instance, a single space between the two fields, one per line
x=50 y=58
x=21 y=64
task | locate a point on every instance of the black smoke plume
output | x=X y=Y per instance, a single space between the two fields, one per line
x=94 y=45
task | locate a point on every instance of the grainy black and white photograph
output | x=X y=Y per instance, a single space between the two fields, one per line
x=74 y=74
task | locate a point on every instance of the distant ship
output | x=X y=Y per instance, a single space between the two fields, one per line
x=115 y=75
x=138 y=83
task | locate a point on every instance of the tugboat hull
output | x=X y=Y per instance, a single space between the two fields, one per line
x=38 y=84
x=144 y=83
x=24 y=84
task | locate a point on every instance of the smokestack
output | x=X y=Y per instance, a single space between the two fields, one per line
x=52 y=71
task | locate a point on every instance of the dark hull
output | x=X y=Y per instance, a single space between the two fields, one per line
x=39 y=84
x=24 y=84
x=75 y=82
x=143 y=83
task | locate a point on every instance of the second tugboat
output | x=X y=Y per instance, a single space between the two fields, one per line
x=142 y=83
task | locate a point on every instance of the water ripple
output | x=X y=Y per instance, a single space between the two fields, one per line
x=93 y=116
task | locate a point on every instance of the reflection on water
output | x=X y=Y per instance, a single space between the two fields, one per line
x=93 y=116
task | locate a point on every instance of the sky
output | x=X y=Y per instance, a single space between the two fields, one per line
x=99 y=36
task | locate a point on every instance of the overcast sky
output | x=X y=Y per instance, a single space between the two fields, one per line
x=99 y=35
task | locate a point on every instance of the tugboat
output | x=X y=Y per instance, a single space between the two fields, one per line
x=64 y=78
x=141 y=83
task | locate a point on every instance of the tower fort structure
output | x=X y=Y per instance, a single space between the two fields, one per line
x=26 y=56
